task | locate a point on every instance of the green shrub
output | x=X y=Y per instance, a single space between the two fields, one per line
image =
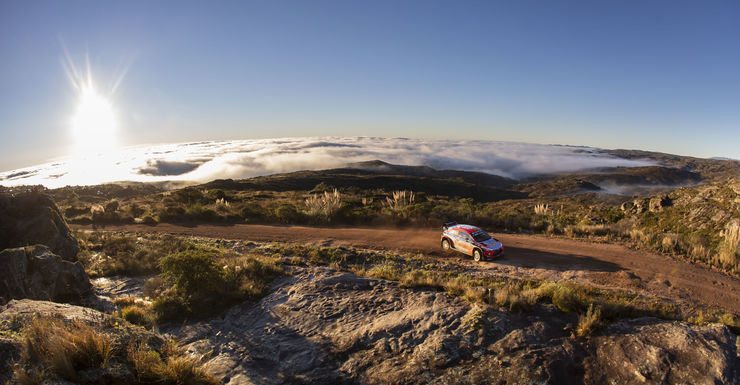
x=188 y=195
x=207 y=281
x=287 y=213
x=252 y=212
x=192 y=271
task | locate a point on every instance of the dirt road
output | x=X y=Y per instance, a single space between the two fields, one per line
x=602 y=265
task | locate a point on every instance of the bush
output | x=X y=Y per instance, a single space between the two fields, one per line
x=207 y=281
x=252 y=212
x=192 y=271
x=188 y=195
x=287 y=213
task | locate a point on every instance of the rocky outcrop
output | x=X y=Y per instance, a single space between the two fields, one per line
x=24 y=310
x=660 y=202
x=30 y=219
x=324 y=326
x=658 y=352
x=36 y=272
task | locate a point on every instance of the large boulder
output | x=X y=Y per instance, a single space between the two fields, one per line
x=33 y=218
x=648 y=350
x=37 y=273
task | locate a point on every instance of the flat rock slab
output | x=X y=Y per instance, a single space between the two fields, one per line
x=325 y=326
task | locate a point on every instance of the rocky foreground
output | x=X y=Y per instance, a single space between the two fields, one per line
x=319 y=325
x=324 y=326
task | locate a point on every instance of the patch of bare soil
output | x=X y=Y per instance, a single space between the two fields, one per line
x=603 y=265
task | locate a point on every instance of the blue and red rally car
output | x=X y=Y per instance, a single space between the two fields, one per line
x=470 y=240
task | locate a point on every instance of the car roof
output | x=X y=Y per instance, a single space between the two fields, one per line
x=467 y=228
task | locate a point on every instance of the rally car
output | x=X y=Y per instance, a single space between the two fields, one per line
x=470 y=240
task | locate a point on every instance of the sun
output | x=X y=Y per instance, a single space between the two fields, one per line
x=93 y=123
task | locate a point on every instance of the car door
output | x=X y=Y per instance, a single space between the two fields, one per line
x=465 y=242
x=457 y=240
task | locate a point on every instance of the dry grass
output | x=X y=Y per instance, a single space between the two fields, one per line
x=139 y=314
x=730 y=247
x=533 y=295
x=636 y=235
x=56 y=349
x=542 y=209
x=64 y=349
x=386 y=270
x=508 y=296
x=175 y=368
x=126 y=301
x=399 y=200
x=324 y=205
x=465 y=287
x=589 y=322
x=421 y=278
x=707 y=316
x=669 y=242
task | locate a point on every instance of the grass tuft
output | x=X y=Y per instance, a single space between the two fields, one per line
x=57 y=350
x=589 y=322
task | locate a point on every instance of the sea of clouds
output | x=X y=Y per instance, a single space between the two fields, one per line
x=205 y=161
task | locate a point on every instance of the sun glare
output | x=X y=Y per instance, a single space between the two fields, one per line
x=94 y=122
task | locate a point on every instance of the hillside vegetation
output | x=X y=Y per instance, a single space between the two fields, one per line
x=643 y=207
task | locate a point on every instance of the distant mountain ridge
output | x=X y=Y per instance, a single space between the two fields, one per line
x=377 y=174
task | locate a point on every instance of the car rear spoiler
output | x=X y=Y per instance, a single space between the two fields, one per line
x=447 y=225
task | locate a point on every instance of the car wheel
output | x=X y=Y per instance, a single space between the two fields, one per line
x=476 y=255
x=445 y=245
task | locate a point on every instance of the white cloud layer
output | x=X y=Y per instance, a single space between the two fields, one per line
x=205 y=161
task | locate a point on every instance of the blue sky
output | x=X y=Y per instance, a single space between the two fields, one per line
x=662 y=76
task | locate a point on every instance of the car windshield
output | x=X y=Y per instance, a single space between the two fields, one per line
x=481 y=236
